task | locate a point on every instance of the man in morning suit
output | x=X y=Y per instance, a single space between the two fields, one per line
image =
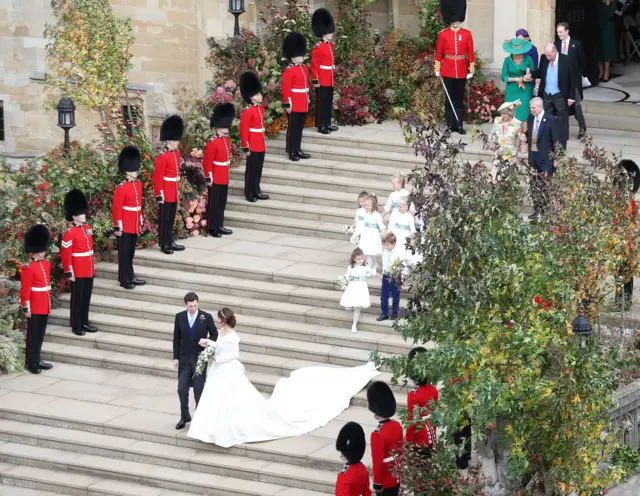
x=189 y=328
x=542 y=136
x=567 y=45
x=558 y=81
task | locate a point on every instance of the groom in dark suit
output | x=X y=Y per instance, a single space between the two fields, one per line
x=190 y=327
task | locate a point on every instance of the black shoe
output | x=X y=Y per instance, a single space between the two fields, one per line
x=79 y=332
x=215 y=233
x=176 y=247
x=166 y=250
x=34 y=370
x=333 y=128
x=44 y=365
x=294 y=157
x=262 y=196
x=183 y=423
x=303 y=155
x=252 y=199
x=582 y=133
x=127 y=285
x=394 y=316
x=225 y=231
x=533 y=216
x=89 y=328
x=324 y=130
x=382 y=317
x=138 y=282
x=460 y=130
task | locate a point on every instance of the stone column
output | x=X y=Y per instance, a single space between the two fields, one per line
x=508 y=17
x=479 y=21
x=406 y=16
x=541 y=19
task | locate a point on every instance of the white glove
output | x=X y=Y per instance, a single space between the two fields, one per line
x=470 y=75
x=438 y=74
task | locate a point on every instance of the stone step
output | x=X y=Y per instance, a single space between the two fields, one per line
x=162 y=303
x=277 y=337
x=287 y=225
x=7 y=490
x=133 y=406
x=285 y=208
x=246 y=288
x=99 y=467
x=162 y=455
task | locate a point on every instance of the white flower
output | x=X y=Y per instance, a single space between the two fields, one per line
x=343 y=282
x=203 y=360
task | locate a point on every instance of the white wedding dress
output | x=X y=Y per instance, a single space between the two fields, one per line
x=231 y=411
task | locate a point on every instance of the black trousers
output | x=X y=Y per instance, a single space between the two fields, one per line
x=391 y=491
x=80 y=300
x=627 y=287
x=36 y=327
x=324 y=106
x=556 y=105
x=456 y=88
x=462 y=437
x=186 y=373
x=294 y=131
x=217 y=204
x=253 y=174
x=126 y=252
x=166 y=220
x=578 y=114
x=540 y=182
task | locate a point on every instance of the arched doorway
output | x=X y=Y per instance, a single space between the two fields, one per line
x=582 y=18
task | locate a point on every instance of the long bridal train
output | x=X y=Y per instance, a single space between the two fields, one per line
x=232 y=411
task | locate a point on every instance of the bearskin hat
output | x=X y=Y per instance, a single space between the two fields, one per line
x=381 y=400
x=223 y=116
x=75 y=203
x=322 y=23
x=129 y=159
x=413 y=374
x=634 y=172
x=294 y=45
x=172 y=128
x=453 y=10
x=351 y=442
x=37 y=239
x=250 y=86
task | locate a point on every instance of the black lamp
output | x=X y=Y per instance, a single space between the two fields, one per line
x=66 y=119
x=581 y=325
x=236 y=7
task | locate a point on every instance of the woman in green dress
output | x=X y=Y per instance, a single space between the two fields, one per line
x=607 y=45
x=516 y=73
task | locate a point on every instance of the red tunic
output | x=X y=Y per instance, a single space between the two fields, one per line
x=323 y=63
x=386 y=441
x=459 y=45
x=252 y=129
x=353 y=480
x=295 y=88
x=421 y=397
x=127 y=207
x=35 y=287
x=76 y=251
x=217 y=158
x=166 y=175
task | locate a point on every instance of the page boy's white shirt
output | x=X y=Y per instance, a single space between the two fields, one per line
x=389 y=257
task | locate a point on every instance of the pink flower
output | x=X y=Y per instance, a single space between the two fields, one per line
x=200 y=210
x=203 y=222
x=195 y=233
x=196 y=219
x=192 y=205
x=196 y=153
x=220 y=90
x=231 y=85
x=251 y=62
x=202 y=203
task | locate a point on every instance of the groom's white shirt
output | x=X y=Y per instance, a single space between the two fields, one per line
x=192 y=318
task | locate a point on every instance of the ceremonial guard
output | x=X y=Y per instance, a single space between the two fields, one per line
x=322 y=68
x=419 y=403
x=386 y=440
x=295 y=92
x=78 y=262
x=454 y=60
x=127 y=215
x=166 y=182
x=254 y=143
x=353 y=480
x=217 y=159
x=35 y=293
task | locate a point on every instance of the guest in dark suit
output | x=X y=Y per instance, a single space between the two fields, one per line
x=567 y=45
x=557 y=87
x=190 y=327
x=542 y=136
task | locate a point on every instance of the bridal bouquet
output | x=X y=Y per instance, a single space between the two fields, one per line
x=343 y=282
x=348 y=229
x=203 y=360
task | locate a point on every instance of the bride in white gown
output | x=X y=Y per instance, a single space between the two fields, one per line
x=231 y=411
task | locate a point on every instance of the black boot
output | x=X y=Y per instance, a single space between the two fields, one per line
x=215 y=233
x=166 y=250
x=294 y=157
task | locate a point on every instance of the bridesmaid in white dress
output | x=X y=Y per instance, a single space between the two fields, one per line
x=232 y=411
x=371 y=232
x=356 y=294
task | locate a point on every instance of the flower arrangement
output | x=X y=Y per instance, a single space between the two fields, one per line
x=343 y=282
x=483 y=101
x=204 y=358
x=196 y=222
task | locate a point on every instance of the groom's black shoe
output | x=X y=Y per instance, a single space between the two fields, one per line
x=183 y=422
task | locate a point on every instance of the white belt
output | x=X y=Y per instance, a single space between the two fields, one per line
x=172 y=179
x=388 y=460
x=41 y=290
x=228 y=162
x=83 y=254
x=299 y=90
x=328 y=67
x=132 y=209
x=256 y=130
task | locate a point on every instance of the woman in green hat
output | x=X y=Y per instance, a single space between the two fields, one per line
x=516 y=73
